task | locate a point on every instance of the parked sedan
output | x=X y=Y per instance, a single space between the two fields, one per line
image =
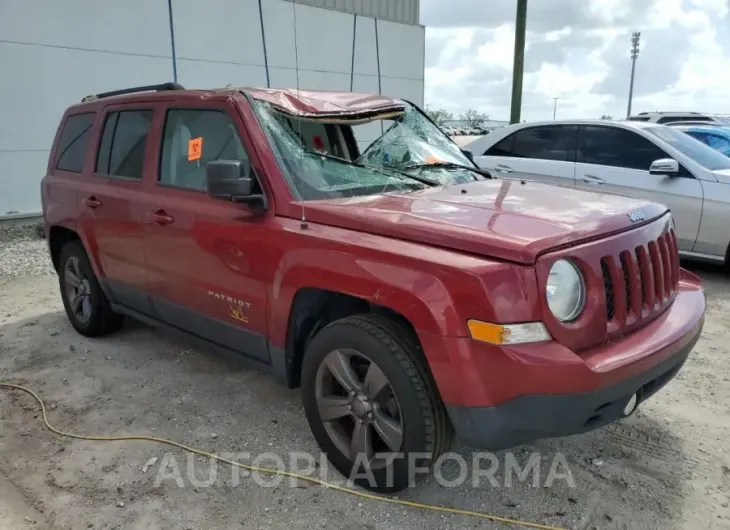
x=716 y=137
x=636 y=159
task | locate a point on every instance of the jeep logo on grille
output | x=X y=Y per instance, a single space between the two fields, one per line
x=636 y=216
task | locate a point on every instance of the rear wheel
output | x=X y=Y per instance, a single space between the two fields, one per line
x=87 y=307
x=371 y=403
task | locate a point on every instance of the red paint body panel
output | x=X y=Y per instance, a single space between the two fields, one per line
x=464 y=368
x=502 y=219
x=439 y=257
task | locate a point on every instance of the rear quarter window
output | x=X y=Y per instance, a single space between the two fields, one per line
x=74 y=142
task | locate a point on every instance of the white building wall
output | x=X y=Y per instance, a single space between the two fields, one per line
x=405 y=11
x=51 y=55
x=54 y=53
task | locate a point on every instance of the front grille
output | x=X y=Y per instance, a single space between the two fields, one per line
x=625 y=266
x=608 y=284
x=640 y=282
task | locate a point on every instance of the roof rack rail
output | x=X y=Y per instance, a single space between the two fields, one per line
x=133 y=90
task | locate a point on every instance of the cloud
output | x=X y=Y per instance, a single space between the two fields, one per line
x=578 y=51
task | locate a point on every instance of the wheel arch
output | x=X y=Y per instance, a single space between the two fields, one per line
x=58 y=236
x=314 y=308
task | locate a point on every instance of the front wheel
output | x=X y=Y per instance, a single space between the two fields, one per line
x=371 y=402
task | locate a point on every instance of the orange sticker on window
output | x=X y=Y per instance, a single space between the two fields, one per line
x=195 y=148
x=432 y=160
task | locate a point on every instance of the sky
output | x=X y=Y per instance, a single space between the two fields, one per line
x=579 y=52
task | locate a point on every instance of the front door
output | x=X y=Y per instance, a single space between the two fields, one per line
x=112 y=204
x=205 y=257
x=616 y=160
x=543 y=153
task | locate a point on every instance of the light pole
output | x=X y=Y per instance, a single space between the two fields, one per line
x=555 y=106
x=635 y=37
x=519 y=61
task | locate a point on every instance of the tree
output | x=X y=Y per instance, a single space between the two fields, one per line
x=473 y=118
x=439 y=116
x=606 y=117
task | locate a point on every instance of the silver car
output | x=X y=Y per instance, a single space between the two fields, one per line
x=636 y=159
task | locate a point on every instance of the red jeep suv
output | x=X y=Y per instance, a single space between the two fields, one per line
x=343 y=243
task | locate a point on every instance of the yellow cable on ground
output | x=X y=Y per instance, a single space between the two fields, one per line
x=272 y=471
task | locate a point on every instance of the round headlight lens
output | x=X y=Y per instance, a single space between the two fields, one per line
x=566 y=293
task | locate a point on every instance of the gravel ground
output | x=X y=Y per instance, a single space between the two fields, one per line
x=22 y=252
x=666 y=467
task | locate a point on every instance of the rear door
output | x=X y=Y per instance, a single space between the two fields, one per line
x=617 y=160
x=113 y=203
x=543 y=153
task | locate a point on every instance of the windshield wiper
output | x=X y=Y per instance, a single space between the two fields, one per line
x=399 y=174
x=451 y=165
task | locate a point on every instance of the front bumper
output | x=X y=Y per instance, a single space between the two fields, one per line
x=502 y=396
x=530 y=417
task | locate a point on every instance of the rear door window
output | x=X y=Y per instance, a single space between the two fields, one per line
x=74 y=142
x=503 y=147
x=552 y=142
x=123 y=143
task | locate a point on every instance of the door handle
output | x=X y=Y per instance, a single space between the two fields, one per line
x=160 y=217
x=91 y=202
x=592 y=179
x=503 y=169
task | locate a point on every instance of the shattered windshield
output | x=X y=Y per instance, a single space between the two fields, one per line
x=325 y=159
x=412 y=140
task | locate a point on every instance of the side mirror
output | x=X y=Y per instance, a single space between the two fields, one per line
x=232 y=180
x=469 y=155
x=664 y=166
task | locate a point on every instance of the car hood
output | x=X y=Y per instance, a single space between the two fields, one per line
x=504 y=219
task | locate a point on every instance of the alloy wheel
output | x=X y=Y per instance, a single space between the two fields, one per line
x=358 y=408
x=78 y=290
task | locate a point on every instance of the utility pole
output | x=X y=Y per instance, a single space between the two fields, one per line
x=518 y=65
x=635 y=37
x=555 y=106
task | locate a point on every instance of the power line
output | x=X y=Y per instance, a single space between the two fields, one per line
x=635 y=38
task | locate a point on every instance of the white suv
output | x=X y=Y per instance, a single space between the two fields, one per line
x=676 y=117
x=635 y=159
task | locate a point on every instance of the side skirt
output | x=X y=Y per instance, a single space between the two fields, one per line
x=276 y=368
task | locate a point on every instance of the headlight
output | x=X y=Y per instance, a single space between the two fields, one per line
x=566 y=292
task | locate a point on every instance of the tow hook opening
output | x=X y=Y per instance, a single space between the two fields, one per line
x=631 y=404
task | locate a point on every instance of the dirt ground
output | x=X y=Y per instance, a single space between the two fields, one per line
x=665 y=467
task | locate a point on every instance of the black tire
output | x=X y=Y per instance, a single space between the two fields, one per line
x=424 y=422
x=102 y=319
